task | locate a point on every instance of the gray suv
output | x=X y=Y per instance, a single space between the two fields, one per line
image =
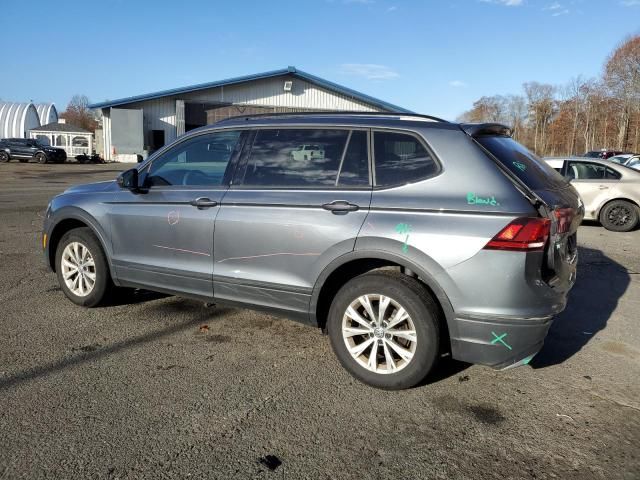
x=407 y=239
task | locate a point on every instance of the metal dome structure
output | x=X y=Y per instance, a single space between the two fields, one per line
x=47 y=113
x=16 y=119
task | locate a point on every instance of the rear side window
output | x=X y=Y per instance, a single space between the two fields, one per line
x=295 y=158
x=400 y=158
x=531 y=170
x=590 y=171
x=354 y=170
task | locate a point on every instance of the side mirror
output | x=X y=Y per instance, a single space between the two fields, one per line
x=129 y=179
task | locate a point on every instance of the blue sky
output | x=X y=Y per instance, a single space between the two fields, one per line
x=431 y=56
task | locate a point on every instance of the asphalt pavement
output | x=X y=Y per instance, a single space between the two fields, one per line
x=162 y=387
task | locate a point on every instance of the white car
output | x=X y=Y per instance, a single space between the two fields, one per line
x=633 y=162
x=621 y=159
x=307 y=152
x=610 y=192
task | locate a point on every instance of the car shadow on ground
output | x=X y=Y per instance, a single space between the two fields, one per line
x=91 y=353
x=132 y=296
x=600 y=284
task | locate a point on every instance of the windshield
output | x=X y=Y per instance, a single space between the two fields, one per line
x=619 y=159
x=531 y=170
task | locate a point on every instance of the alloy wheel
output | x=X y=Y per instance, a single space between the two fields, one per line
x=619 y=215
x=379 y=333
x=78 y=269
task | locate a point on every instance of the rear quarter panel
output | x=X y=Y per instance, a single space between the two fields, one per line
x=434 y=223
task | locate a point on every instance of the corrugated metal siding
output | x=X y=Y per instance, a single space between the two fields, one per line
x=47 y=113
x=270 y=92
x=158 y=114
x=16 y=119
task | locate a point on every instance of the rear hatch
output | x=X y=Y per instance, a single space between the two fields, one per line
x=552 y=195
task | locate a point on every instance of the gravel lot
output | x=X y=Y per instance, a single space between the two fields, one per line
x=162 y=387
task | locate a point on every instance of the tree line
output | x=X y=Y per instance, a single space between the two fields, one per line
x=583 y=115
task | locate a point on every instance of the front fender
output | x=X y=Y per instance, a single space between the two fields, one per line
x=56 y=220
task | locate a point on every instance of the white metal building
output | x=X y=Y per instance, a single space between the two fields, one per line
x=144 y=123
x=16 y=119
x=47 y=113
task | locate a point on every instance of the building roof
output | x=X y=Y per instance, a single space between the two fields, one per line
x=292 y=71
x=60 y=127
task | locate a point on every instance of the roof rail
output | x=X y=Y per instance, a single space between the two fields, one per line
x=331 y=114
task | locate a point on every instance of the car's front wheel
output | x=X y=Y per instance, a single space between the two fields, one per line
x=384 y=329
x=82 y=269
x=40 y=157
x=619 y=216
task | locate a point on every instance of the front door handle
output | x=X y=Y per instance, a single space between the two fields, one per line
x=603 y=187
x=340 y=206
x=203 y=202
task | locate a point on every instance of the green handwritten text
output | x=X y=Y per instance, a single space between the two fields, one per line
x=404 y=229
x=472 y=199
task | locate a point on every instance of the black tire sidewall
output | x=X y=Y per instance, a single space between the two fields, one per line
x=414 y=298
x=604 y=217
x=103 y=278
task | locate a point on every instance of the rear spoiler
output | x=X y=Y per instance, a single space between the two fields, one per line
x=480 y=129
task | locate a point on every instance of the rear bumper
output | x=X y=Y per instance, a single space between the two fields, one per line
x=497 y=342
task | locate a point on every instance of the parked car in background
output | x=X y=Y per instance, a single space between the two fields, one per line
x=25 y=149
x=620 y=159
x=610 y=192
x=307 y=152
x=633 y=162
x=604 y=153
x=408 y=238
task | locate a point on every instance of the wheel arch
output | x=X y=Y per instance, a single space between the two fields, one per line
x=607 y=202
x=350 y=265
x=69 y=219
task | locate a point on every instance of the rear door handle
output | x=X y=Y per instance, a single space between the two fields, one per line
x=340 y=206
x=603 y=187
x=203 y=202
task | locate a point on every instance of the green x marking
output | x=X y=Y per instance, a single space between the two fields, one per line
x=500 y=339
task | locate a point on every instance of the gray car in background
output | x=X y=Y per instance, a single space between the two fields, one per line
x=404 y=237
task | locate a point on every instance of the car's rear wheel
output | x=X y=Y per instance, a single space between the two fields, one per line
x=384 y=330
x=4 y=157
x=619 y=216
x=40 y=157
x=82 y=269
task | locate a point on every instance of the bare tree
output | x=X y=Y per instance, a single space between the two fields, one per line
x=622 y=77
x=541 y=108
x=79 y=114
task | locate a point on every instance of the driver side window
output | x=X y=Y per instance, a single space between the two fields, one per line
x=200 y=161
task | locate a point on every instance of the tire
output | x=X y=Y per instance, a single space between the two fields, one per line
x=40 y=157
x=4 y=157
x=404 y=292
x=619 y=216
x=83 y=238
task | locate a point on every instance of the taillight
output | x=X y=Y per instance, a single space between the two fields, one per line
x=523 y=234
x=564 y=217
